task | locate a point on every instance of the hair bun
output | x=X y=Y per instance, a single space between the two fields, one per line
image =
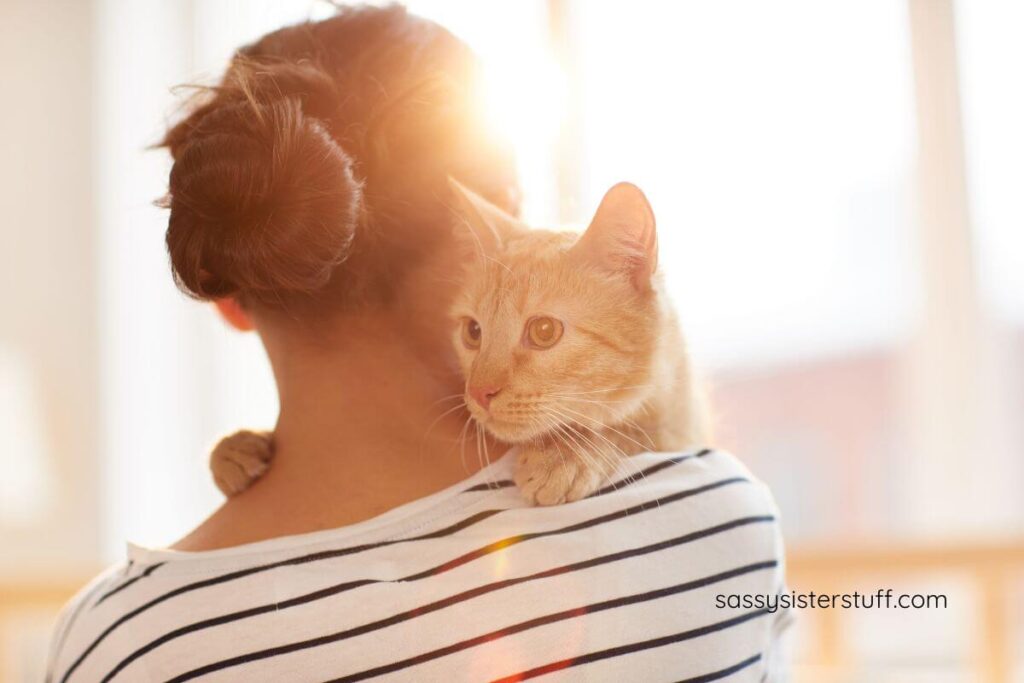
x=263 y=202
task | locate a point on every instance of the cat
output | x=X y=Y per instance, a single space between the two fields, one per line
x=569 y=346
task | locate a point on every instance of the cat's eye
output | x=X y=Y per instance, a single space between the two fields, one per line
x=471 y=333
x=543 y=332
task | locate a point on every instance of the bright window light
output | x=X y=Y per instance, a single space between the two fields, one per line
x=775 y=141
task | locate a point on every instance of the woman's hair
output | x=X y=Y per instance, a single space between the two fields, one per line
x=318 y=167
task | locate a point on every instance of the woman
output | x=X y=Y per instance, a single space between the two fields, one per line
x=309 y=200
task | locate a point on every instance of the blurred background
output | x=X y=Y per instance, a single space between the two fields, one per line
x=839 y=195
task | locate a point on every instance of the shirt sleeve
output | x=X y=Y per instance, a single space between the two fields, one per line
x=69 y=614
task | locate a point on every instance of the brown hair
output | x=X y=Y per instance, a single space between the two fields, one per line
x=318 y=166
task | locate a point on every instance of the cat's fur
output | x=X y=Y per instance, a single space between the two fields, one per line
x=618 y=380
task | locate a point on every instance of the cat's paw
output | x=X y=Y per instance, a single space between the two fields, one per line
x=240 y=459
x=551 y=478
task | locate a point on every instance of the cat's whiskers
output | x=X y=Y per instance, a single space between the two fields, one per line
x=561 y=457
x=615 y=414
x=644 y=408
x=618 y=417
x=462 y=439
x=552 y=430
x=590 y=451
x=584 y=453
x=564 y=432
x=603 y=402
x=558 y=441
x=632 y=423
x=602 y=425
x=599 y=451
x=449 y=397
x=479 y=445
x=610 y=461
x=460 y=404
x=611 y=458
x=603 y=391
x=487 y=454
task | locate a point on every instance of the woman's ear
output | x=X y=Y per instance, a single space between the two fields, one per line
x=622 y=237
x=234 y=314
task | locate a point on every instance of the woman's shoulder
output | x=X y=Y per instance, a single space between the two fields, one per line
x=662 y=539
x=659 y=488
x=698 y=516
x=707 y=499
x=102 y=586
x=695 y=494
x=703 y=478
x=651 y=556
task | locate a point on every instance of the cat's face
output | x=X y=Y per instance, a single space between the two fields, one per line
x=553 y=329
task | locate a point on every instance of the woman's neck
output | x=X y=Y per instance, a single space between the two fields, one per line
x=365 y=426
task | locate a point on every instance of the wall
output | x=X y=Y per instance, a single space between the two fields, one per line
x=48 y=352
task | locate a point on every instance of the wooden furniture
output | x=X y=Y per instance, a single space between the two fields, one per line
x=990 y=568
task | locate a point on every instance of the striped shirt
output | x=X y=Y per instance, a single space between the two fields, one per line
x=469 y=584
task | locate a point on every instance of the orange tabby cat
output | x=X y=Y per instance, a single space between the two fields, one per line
x=569 y=347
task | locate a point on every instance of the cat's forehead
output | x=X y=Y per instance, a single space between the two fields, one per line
x=538 y=245
x=529 y=253
x=529 y=265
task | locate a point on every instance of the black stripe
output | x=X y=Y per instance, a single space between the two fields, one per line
x=433 y=606
x=602 y=519
x=313 y=557
x=491 y=485
x=631 y=648
x=649 y=471
x=506 y=483
x=729 y=671
x=464 y=559
x=149 y=570
x=570 y=614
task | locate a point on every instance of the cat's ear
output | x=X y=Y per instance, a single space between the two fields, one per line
x=479 y=221
x=622 y=237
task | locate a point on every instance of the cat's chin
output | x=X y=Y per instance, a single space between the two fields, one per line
x=509 y=432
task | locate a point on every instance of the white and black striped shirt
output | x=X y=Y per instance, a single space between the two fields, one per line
x=467 y=584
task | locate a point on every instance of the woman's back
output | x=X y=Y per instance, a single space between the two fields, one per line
x=470 y=583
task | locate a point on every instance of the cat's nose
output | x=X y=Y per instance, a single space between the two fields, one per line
x=484 y=395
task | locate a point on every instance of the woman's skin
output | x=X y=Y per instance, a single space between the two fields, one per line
x=360 y=429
